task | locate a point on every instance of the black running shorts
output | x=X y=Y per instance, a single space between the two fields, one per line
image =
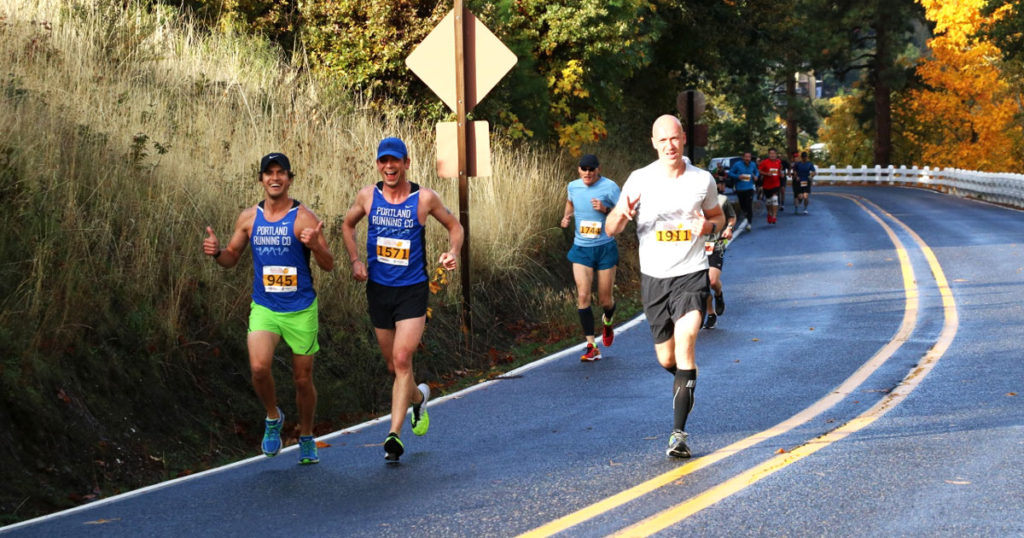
x=666 y=300
x=715 y=258
x=390 y=304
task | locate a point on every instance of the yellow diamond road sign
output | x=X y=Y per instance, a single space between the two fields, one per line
x=487 y=60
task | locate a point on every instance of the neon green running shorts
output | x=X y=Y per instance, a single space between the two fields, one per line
x=298 y=329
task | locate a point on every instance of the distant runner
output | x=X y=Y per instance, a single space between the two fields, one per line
x=395 y=273
x=744 y=173
x=674 y=204
x=590 y=199
x=714 y=246
x=771 y=177
x=804 y=172
x=283 y=234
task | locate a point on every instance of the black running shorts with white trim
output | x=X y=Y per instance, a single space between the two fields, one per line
x=716 y=257
x=666 y=300
x=390 y=304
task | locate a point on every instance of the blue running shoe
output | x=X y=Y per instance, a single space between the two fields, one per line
x=272 y=435
x=307 y=450
x=393 y=448
x=420 y=418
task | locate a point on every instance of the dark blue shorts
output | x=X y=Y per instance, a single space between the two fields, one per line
x=600 y=257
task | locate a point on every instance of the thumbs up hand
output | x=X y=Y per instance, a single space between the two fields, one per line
x=311 y=236
x=211 y=246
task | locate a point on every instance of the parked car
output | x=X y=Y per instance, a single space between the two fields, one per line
x=727 y=163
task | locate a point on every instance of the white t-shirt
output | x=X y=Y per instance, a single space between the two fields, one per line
x=668 y=206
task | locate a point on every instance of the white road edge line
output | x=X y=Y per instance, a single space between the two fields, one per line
x=351 y=429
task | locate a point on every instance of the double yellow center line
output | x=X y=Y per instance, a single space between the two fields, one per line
x=681 y=511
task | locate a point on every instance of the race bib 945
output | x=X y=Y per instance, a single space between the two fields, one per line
x=280 y=279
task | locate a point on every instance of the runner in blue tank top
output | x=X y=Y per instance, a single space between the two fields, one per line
x=395 y=273
x=283 y=234
x=590 y=198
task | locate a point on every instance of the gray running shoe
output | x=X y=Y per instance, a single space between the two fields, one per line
x=677 y=445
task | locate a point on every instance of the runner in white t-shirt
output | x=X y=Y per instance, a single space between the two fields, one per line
x=674 y=205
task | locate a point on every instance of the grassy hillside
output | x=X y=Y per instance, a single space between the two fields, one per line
x=122 y=358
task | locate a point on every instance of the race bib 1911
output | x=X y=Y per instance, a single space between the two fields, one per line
x=590 y=229
x=393 y=251
x=280 y=279
x=672 y=232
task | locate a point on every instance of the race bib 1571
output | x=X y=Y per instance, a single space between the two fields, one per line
x=393 y=251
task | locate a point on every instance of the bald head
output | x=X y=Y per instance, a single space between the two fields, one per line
x=667 y=121
x=668 y=138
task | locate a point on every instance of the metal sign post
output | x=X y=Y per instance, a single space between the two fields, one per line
x=460 y=121
x=480 y=61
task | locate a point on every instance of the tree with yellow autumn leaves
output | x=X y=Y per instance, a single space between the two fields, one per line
x=966 y=112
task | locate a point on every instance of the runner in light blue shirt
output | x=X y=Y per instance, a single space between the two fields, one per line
x=590 y=198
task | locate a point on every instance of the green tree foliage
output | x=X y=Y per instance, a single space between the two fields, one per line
x=880 y=39
x=578 y=52
x=363 y=45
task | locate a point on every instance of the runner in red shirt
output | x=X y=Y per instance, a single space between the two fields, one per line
x=771 y=173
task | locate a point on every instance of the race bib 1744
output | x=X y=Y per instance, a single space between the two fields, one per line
x=393 y=251
x=590 y=229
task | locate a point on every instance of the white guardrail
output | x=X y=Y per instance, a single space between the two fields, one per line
x=1001 y=188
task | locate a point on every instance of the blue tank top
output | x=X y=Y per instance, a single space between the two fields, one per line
x=281 y=281
x=395 y=250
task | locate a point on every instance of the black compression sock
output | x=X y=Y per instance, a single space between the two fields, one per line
x=587 y=321
x=609 y=312
x=682 y=400
x=671 y=370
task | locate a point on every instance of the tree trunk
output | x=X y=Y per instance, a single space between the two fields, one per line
x=792 y=129
x=881 y=72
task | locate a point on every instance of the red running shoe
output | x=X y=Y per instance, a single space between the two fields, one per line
x=607 y=332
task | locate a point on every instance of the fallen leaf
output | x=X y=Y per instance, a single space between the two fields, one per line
x=613 y=464
x=755 y=339
x=737 y=360
x=781 y=451
x=62 y=396
x=1011 y=393
x=849 y=265
x=812 y=328
x=102 y=521
x=321 y=444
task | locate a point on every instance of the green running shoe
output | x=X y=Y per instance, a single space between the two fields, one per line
x=272 y=435
x=307 y=450
x=420 y=418
x=393 y=448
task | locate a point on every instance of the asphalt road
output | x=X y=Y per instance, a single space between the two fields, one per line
x=858 y=384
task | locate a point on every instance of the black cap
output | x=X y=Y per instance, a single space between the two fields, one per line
x=278 y=158
x=589 y=161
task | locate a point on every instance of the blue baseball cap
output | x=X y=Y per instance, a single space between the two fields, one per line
x=278 y=158
x=392 y=146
